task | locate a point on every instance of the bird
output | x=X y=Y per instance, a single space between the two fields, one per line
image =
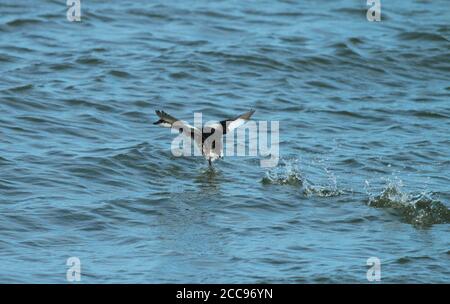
x=209 y=149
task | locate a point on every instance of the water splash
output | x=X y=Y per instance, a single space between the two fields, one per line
x=328 y=190
x=321 y=191
x=286 y=174
x=419 y=209
x=289 y=173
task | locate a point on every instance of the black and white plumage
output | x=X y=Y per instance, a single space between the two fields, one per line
x=209 y=150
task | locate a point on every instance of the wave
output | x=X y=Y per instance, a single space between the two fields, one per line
x=418 y=209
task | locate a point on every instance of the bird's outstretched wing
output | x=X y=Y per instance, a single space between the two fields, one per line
x=168 y=121
x=229 y=125
x=165 y=120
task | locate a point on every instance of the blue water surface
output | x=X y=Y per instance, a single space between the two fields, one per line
x=364 y=112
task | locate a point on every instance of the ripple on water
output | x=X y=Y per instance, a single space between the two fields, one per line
x=422 y=36
x=89 y=60
x=119 y=74
x=23 y=22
